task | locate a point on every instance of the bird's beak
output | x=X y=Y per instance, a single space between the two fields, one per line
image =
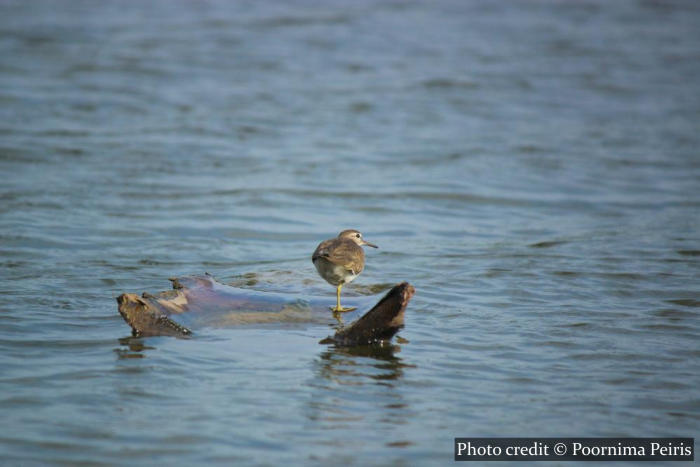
x=369 y=244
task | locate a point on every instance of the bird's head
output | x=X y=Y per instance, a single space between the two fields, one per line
x=355 y=236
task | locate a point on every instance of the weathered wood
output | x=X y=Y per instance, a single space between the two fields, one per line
x=202 y=301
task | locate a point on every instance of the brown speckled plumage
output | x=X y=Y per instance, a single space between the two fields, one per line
x=341 y=252
x=340 y=260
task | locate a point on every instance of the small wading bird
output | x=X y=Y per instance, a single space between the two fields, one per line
x=340 y=260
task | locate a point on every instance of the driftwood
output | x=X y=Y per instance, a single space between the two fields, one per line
x=202 y=301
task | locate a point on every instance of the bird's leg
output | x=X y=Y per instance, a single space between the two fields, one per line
x=339 y=308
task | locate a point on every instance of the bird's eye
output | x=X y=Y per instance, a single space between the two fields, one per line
x=358 y=235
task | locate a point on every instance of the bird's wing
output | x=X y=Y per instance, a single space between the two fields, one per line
x=342 y=252
x=322 y=250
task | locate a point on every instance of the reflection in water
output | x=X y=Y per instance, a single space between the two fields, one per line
x=341 y=365
x=136 y=347
x=355 y=388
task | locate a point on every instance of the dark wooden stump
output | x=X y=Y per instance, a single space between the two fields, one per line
x=202 y=301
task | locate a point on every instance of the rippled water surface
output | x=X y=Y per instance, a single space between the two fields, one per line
x=532 y=168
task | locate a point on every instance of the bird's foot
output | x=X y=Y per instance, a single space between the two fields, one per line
x=340 y=309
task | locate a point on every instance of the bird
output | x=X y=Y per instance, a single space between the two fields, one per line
x=340 y=260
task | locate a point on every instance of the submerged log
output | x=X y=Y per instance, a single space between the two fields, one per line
x=202 y=301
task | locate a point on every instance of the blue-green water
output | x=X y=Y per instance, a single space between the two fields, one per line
x=532 y=168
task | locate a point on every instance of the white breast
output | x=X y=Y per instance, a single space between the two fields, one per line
x=332 y=273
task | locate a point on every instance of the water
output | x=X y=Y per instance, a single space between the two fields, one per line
x=532 y=168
